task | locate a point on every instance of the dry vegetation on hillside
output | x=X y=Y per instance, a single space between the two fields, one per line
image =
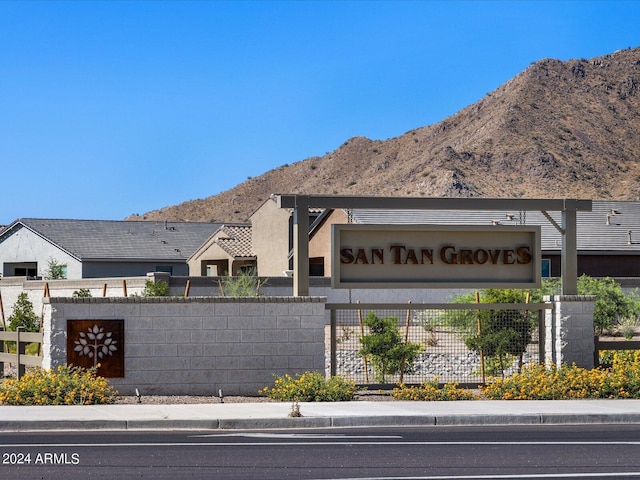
x=557 y=130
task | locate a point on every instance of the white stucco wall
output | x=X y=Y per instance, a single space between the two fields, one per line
x=26 y=246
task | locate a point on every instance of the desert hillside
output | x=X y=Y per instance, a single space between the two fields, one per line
x=557 y=130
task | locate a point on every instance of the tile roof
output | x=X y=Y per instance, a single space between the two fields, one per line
x=610 y=226
x=112 y=239
x=237 y=240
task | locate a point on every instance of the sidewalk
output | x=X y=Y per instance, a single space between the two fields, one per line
x=337 y=414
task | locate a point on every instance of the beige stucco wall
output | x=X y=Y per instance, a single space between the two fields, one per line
x=210 y=251
x=270 y=239
x=320 y=242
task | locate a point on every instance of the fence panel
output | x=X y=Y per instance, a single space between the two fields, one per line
x=458 y=343
x=19 y=358
x=611 y=345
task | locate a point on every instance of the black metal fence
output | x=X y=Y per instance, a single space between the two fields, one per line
x=602 y=345
x=382 y=344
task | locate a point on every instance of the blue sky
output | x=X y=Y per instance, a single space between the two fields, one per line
x=114 y=108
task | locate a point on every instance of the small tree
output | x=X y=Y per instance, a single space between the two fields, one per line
x=55 y=270
x=23 y=315
x=502 y=333
x=383 y=344
x=501 y=337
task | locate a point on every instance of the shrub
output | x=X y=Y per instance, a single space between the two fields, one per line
x=63 y=386
x=537 y=382
x=606 y=357
x=246 y=284
x=430 y=391
x=611 y=303
x=82 y=293
x=153 y=289
x=623 y=380
x=627 y=327
x=310 y=387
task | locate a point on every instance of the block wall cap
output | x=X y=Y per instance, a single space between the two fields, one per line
x=173 y=300
x=570 y=298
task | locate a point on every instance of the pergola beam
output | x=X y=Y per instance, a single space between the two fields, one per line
x=302 y=203
x=416 y=203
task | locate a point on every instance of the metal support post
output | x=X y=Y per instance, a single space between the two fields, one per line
x=301 y=247
x=20 y=350
x=569 y=252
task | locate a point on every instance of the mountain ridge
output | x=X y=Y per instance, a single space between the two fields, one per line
x=558 y=129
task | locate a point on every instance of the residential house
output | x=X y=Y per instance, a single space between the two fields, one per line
x=226 y=252
x=264 y=245
x=99 y=248
x=272 y=238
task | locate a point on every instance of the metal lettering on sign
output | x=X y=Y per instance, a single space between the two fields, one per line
x=433 y=256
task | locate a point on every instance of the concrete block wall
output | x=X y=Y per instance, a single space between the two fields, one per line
x=569 y=333
x=198 y=346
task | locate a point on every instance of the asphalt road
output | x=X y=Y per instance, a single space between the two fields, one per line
x=517 y=452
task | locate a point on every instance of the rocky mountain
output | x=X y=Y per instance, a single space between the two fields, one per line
x=559 y=129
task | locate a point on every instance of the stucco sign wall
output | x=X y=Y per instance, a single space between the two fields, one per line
x=432 y=256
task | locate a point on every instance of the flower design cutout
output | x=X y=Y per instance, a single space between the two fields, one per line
x=95 y=343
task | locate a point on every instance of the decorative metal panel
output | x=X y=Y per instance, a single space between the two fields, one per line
x=97 y=343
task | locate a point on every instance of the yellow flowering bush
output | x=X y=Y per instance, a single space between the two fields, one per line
x=62 y=386
x=537 y=382
x=310 y=387
x=430 y=391
x=623 y=380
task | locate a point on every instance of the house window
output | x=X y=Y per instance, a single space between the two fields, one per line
x=316 y=267
x=247 y=270
x=546 y=268
x=29 y=269
x=63 y=271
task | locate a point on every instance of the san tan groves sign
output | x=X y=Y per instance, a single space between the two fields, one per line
x=435 y=256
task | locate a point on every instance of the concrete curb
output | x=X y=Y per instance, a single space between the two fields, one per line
x=40 y=425
x=317 y=422
x=554 y=419
x=275 y=415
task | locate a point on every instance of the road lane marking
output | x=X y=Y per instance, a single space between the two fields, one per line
x=315 y=443
x=500 y=477
x=337 y=436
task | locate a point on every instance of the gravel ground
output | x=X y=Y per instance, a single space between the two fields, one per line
x=189 y=399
